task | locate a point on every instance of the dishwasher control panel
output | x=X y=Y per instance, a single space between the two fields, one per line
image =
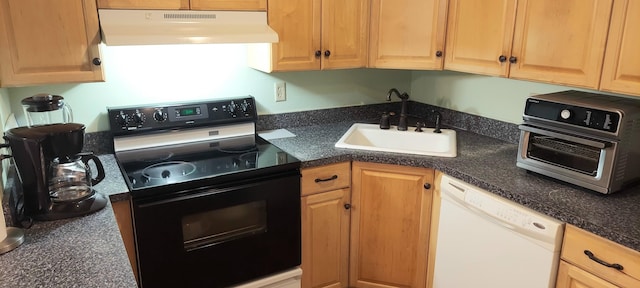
x=500 y=210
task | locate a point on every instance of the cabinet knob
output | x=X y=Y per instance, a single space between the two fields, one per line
x=347 y=206
x=318 y=53
x=327 y=53
x=502 y=58
x=513 y=59
x=427 y=186
x=438 y=53
x=96 y=61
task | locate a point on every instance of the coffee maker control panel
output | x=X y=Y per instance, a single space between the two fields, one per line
x=129 y=120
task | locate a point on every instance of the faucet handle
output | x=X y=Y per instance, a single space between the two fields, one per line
x=419 y=126
x=384 y=121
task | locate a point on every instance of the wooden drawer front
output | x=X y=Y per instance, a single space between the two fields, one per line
x=325 y=178
x=577 y=241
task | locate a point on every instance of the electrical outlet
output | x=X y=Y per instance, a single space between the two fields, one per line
x=280 y=91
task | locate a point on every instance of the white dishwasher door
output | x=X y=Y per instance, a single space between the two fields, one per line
x=485 y=241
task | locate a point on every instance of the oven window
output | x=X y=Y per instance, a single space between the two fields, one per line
x=567 y=154
x=217 y=226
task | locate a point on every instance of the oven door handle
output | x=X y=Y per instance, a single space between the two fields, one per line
x=596 y=144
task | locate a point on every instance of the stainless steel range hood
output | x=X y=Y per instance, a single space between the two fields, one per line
x=154 y=27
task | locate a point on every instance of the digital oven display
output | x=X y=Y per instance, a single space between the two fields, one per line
x=188 y=111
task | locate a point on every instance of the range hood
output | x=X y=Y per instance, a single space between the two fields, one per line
x=154 y=27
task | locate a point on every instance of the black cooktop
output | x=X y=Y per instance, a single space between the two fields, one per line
x=173 y=168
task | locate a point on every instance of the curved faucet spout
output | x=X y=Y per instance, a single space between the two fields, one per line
x=403 y=96
x=402 y=123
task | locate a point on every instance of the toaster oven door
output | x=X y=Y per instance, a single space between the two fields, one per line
x=579 y=160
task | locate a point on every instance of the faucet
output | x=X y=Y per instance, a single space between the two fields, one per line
x=402 y=123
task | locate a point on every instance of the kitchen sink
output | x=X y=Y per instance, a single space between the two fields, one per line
x=370 y=137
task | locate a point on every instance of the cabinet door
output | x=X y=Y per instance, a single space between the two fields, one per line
x=561 y=41
x=325 y=239
x=570 y=276
x=297 y=23
x=621 y=71
x=122 y=212
x=345 y=28
x=391 y=211
x=248 y=5
x=43 y=42
x=144 y=4
x=407 y=34
x=479 y=36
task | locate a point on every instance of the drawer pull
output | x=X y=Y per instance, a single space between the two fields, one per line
x=601 y=262
x=334 y=177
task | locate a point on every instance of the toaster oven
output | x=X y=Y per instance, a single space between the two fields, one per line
x=586 y=139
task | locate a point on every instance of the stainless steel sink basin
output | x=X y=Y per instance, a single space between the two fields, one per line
x=370 y=137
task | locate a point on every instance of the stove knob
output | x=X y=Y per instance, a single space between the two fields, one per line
x=138 y=118
x=565 y=114
x=232 y=108
x=159 y=116
x=245 y=107
x=122 y=119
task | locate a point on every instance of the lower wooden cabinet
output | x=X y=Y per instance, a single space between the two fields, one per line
x=122 y=212
x=325 y=239
x=391 y=212
x=372 y=231
x=585 y=257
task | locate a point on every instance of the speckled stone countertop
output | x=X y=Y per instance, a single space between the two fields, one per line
x=490 y=164
x=83 y=252
x=88 y=251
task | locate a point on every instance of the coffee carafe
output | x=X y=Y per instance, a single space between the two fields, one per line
x=43 y=109
x=56 y=177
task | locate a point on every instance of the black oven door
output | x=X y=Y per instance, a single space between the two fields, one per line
x=219 y=236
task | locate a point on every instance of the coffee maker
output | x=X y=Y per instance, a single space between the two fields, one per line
x=56 y=177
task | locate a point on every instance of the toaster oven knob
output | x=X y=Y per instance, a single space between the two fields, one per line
x=565 y=114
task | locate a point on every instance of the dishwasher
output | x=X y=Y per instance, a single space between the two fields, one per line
x=486 y=241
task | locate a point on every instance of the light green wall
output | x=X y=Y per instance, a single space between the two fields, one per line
x=168 y=73
x=492 y=97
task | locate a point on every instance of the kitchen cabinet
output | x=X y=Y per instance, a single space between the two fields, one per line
x=407 y=34
x=579 y=266
x=252 y=5
x=46 y=42
x=122 y=212
x=325 y=225
x=559 y=42
x=621 y=69
x=314 y=35
x=391 y=212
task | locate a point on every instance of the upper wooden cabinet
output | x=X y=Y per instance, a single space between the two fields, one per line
x=478 y=34
x=391 y=212
x=314 y=35
x=250 y=5
x=621 y=70
x=46 y=42
x=558 y=42
x=407 y=34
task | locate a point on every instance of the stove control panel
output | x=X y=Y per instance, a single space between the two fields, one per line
x=128 y=120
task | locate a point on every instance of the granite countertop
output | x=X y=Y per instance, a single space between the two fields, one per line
x=88 y=251
x=84 y=251
x=490 y=164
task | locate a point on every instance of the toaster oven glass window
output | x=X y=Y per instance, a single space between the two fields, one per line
x=563 y=153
